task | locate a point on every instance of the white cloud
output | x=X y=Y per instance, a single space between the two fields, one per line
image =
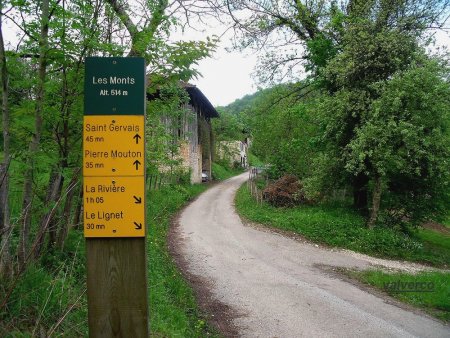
x=226 y=77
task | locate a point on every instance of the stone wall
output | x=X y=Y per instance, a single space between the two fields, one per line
x=233 y=152
x=194 y=136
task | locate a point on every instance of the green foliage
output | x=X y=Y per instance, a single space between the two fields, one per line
x=243 y=104
x=320 y=50
x=47 y=291
x=229 y=127
x=221 y=170
x=436 y=302
x=283 y=130
x=254 y=160
x=338 y=225
x=164 y=117
x=379 y=116
x=234 y=122
x=397 y=129
x=48 y=297
x=77 y=29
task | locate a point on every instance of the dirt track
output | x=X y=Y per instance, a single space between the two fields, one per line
x=275 y=286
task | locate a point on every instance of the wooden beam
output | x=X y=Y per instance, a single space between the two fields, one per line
x=117 y=292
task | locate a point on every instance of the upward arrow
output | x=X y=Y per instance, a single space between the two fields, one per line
x=137 y=137
x=137 y=163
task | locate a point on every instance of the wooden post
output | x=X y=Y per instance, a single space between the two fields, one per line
x=117 y=287
x=114 y=197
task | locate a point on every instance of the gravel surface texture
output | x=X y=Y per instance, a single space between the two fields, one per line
x=275 y=285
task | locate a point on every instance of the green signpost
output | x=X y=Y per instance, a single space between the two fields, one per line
x=114 y=86
x=114 y=196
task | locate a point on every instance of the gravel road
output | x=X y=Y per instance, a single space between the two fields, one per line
x=277 y=286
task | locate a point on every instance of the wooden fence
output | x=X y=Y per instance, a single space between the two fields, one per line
x=257 y=181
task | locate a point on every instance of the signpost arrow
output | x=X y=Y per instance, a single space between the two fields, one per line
x=138 y=226
x=137 y=163
x=137 y=137
x=137 y=200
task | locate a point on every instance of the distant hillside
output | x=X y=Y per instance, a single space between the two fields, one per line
x=240 y=105
x=248 y=102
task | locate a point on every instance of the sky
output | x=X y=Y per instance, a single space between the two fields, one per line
x=226 y=76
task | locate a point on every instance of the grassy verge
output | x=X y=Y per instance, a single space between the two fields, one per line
x=341 y=227
x=446 y=221
x=49 y=298
x=429 y=291
x=222 y=172
x=254 y=161
x=173 y=309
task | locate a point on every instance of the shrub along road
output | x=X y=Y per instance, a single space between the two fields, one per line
x=277 y=286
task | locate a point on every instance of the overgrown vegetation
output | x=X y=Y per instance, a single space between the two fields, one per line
x=222 y=170
x=49 y=298
x=340 y=226
x=426 y=290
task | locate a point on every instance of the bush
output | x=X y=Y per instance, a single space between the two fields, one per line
x=286 y=192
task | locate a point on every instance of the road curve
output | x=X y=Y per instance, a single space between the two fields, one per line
x=277 y=286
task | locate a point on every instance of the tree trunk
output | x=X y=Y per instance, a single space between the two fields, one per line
x=5 y=222
x=77 y=218
x=376 y=198
x=47 y=221
x=360 y=194
x=140 y=39
x=64 y=227
x=35 y=140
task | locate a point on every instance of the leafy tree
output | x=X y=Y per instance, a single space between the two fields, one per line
x=351 y=51
x=230 y=127
x=43 y=89
x=5 y=228
x=403 y=144
x=289 y=125
x=373 y=55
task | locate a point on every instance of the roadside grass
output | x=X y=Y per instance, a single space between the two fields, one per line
x=429 y=291
x=49 y=299
x=434 y=243
x=339 y=226
x=222 y=172
x=173 y=308
x=446 y=221
x=254 y=160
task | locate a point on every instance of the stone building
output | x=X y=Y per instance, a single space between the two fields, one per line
x=193 y=134
x=234 y=152
x=197 y=139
